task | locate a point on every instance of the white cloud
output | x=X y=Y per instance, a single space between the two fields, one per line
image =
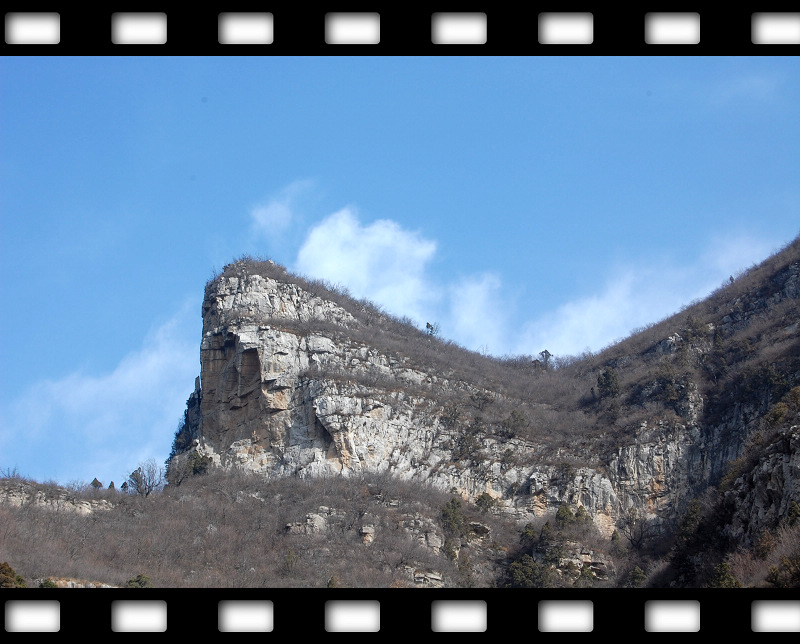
x=273 y=218
x=731 y=253
x=380 y=261
x=477 y=316
x=86 y=425
x=588 y=322
x=388 y=264
x=635 y=296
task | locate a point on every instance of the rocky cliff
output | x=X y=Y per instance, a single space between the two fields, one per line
x=20 y=493
x=299 y=379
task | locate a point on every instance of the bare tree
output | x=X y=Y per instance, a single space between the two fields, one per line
x=146 y=479
x=636 y=527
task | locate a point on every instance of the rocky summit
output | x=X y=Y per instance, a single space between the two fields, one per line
x=299 y=379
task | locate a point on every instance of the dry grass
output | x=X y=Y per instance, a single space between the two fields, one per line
x=228 y=529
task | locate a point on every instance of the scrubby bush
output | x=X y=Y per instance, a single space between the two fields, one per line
x=485 y=502
x=139 y=581
x=723 y=577
x=608 y=383
x=146 y=479
x=9 y=577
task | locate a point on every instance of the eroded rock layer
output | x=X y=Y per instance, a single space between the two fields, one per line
x=291 y=385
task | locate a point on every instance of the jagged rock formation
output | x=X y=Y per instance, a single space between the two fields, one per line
x=762 y=496
x=281 y=398
x=19 y=493
x=300 y=380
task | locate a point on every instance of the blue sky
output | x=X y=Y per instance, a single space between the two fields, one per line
x=522 y=203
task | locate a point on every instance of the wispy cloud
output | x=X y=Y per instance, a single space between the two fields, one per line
x=730 y=253
x=273 y=217
x=78 y=422
x=754 y=87
x=585 y=323
x=389 y=265
x=637 y=295
x=478 y=315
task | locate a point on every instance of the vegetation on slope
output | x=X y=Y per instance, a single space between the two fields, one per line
x=232 y=529
x=738 y=351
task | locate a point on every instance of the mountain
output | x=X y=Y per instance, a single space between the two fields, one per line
x=328 y=443
x=299 y=379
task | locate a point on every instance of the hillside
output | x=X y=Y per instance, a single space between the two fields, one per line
x=297 y=378
x=668 y=458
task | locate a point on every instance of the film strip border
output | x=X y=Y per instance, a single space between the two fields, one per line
x=293 y=613
x=297 y=29
x=508 y=612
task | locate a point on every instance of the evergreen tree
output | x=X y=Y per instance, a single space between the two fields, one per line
x=636 y=578
x=453 y=518
x=723 y=577
x=608 y=384
x=526 y=572
x=139 y=581
x=9 y=577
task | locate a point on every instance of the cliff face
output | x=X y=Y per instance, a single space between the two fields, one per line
x=281 y=398
x=294 y=383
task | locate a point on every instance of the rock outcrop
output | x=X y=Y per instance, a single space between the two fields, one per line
x=293 y=383
x=762 y=495
x=19 y=492
x=66 y=582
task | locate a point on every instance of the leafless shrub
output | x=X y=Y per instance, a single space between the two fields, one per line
x=146 y=479
x=753 y=567
x=227 y=529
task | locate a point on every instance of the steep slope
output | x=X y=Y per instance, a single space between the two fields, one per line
x=300 y=379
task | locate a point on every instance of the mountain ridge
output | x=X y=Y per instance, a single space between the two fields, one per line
x=327 y=443
x=299 y=378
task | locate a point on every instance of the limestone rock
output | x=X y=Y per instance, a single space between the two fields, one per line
x=762 y=496
x=66 y=582
x=20 y=492
x=292 y=385
x=367 y=534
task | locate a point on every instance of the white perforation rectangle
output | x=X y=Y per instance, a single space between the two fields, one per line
x=458 y=616
x=672 y=616
x=775 y=616
x=775 y=29
x=28 y=616
x=566 y=616
x=458 y=28
x=139 y=616
x=566 y=28
x=245 y=616
x=139 y=28
x=33 y=28
x=352 y=616
x=352 y=28
x=672 y=28
x=245 y=28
